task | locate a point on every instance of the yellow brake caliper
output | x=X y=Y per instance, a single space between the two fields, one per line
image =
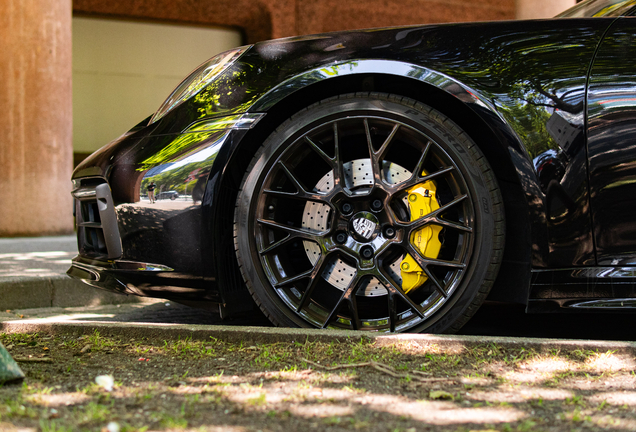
x=422 y=201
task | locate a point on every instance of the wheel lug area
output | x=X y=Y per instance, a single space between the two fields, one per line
x=366 y=252
x=389 y=232
x=376 y=205
x=341 y=237
x=346 y=208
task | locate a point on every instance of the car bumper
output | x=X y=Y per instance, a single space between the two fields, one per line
x=142 y=279
x=131 y=245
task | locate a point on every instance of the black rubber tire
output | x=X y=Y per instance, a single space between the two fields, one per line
x=485 y=241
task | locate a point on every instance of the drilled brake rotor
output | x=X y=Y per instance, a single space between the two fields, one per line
x=357 y=173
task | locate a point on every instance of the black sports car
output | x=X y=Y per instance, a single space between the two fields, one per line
x=383 y=180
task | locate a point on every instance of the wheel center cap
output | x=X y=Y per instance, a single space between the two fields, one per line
x=364 y=226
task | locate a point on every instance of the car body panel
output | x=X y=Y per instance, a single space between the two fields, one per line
x=503 y=72
x=611 y=143
x=610 y=127
x=524 y=81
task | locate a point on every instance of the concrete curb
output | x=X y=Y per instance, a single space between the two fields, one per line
x=54 y=291
x=260 y=335
x=33 y=275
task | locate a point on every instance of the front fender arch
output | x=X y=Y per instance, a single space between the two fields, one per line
x=502 y=147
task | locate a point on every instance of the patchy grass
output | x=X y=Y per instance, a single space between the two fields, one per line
x=215 y=385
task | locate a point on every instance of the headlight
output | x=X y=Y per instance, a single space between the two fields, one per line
x=198 y=79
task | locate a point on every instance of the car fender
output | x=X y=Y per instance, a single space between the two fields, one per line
x=509 y=143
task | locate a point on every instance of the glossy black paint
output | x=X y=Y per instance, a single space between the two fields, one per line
x=512 y=78
x=612 y=145
x=519 y=87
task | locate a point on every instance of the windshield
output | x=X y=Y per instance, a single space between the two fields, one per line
x=598 y=8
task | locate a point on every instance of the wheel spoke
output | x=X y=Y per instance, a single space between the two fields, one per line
x=446 y=206
x=321 y=153
x=299 y=187
x=385 y=145
x=301 y=192
x=335 y=162
x=351 y=290
x=415 y=175
x=433 y=217
x=453 y=225
x=395 y=289
x=300 y=196
x=293 y=279
x=392 y=306
x=393 y=218
x=417 y=179
x=436 y=282
x=292 y=231
x=424 y=261
x=431 y=176
x=420 y=163
x=338 y=175
x=376 y=157
x=356 y=324
x=367 y=132
x=373 y=157
x=276 y=245
x=314 y=277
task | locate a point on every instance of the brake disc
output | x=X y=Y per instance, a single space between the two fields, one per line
x=357 y=173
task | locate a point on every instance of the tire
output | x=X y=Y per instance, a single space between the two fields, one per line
x=325 y=220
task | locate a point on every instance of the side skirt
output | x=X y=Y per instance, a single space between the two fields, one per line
x=583 y=289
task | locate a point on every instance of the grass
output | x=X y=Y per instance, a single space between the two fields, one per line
x=192 y=384
x=260 y=400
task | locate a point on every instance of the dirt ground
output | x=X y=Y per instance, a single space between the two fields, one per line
x=221 y=386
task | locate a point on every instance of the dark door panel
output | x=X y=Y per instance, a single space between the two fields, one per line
x=612 y=145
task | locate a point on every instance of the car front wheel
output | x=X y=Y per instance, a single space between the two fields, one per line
x=369 y=212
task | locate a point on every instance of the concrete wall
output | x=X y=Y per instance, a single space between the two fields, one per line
x=123 y=71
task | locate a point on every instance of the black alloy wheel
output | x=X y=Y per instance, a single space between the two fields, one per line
x=327 y=232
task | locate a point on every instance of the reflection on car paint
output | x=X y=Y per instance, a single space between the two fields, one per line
x=525 y=82
x=162 y=231
x=520 y=76
x=612 y=145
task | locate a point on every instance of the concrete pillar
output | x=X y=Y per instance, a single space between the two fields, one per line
x=534 y=9
x=36 y=150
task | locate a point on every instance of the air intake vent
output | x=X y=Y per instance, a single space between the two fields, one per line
x=97 y=230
